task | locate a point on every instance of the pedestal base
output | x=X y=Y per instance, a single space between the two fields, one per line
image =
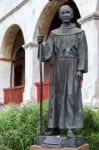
x=83 y=147
x=61 y=141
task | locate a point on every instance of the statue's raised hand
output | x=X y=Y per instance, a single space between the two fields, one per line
x=40 y=39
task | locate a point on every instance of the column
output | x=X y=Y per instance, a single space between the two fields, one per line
x=5 y=73
x=31 y=72
x=28 y=71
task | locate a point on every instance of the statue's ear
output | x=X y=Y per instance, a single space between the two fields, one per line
x=72 y=15
x=60 y=16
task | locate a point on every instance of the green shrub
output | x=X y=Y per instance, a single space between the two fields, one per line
x=19 y=127
x=4 y=148
x=91 y=127
x=94 y=141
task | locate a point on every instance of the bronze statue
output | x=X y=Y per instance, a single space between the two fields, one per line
x=68 y=47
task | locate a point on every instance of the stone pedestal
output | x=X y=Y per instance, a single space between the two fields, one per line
x=60 y=141
x=83 y=147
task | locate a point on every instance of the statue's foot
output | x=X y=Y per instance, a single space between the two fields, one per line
x=70 y=133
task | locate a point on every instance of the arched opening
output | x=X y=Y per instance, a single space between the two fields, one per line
x=55 y=23
x=18 y=65
x=13 y=52
x=49 y=20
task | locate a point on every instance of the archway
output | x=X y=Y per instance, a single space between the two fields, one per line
x=18 y=65
x=49 y=20
x=14 y=55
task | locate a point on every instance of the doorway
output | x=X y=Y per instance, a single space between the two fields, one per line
x=19 y=68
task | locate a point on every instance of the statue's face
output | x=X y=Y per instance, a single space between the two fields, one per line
x=66 y=14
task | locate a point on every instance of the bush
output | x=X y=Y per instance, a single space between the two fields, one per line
x=91 y=127
x=94 y=141
x=91 y=119
x=19 y=127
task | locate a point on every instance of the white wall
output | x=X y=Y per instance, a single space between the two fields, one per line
x=7 y=6
x=4 y=77
x=90 y=79
x=86 y=6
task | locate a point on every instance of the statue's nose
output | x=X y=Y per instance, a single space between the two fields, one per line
x=65 y=14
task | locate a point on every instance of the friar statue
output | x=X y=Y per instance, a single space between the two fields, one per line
x=68 y=47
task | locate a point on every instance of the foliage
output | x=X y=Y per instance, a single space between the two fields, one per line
x=91 y=127
x=19 y=127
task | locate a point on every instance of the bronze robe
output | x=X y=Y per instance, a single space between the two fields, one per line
x=68 y=48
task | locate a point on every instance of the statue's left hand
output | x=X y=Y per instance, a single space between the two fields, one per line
x=79 y=75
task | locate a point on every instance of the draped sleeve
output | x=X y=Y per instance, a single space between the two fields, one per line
x=82 y=53
x=47 y=50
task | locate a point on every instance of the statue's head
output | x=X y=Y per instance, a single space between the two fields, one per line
x=65 y=14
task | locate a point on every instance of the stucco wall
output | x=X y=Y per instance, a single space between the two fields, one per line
x=7 y=6
x=86 y=6
x=90 y=79
x=4 y=77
